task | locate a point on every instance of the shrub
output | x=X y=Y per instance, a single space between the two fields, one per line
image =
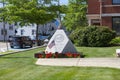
x=115 y=41
x=92 y=36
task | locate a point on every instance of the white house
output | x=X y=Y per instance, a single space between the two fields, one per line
x=8 y=30
x=27 y=31
x=44 y=30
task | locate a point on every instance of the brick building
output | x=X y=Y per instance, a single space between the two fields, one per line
x=104 y=13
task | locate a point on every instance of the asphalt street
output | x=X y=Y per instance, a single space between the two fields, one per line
x=5 y=46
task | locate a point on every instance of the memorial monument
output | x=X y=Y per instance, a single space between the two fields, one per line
x=60 y=43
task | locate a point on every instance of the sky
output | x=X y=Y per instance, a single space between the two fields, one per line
x=63 y=1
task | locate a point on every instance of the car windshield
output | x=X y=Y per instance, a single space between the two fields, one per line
x=16 y=38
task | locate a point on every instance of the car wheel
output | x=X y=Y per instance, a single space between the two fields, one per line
x=31 y=46
x=23 y=46
x=11 y=46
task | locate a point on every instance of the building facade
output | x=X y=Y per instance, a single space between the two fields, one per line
x=6 y=30
x=104 y=13
x=45 y=30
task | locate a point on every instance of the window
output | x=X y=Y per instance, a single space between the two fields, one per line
x=16 y=24
x=116 y=2
x=3 y=32
x=22 y=31
x=95 y=21
x=10 y=27
x=33 y=32
x=116 y=24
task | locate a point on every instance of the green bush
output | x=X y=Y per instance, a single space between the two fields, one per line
x=115 y=41
x=92 y=36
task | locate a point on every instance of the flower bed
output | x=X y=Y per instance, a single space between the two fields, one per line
x=58 y=55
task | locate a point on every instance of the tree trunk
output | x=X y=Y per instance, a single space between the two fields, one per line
x=37 y=35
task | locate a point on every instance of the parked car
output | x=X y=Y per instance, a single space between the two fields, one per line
x=21 y=42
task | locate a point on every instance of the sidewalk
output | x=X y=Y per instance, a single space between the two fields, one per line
x=79 y=62
x=3 y=46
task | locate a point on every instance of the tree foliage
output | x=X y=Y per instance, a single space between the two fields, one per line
x=76 y=14
x=29 y=11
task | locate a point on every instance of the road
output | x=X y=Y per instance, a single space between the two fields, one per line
x=5 y=46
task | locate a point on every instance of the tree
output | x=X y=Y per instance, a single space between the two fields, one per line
x=30 y=11
x=76 y=14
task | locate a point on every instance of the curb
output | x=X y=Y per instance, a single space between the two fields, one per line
x=21 y=51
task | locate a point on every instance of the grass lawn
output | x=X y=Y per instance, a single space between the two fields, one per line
x=21 y=66
x=98 y=51
x=6 y=52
